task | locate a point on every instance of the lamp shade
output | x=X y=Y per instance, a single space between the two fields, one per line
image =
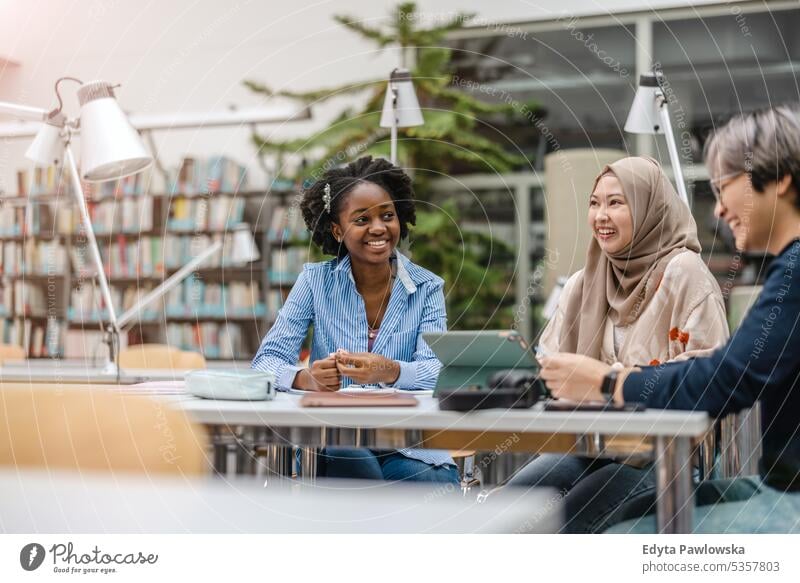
x=46 y=148
x=244 y=249
x=643 y=117
x=407 y=109
x=110 y=147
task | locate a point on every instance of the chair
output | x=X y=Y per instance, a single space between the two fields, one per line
x=740 y=433
x=11 y=352
x=160 y=356
x=94 y=429
x=733 y=447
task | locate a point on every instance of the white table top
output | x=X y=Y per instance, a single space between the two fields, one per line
x=62 y=502
x=285 y=411
x=56 y=371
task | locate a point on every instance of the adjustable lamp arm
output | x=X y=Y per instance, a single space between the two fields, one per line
x=23 y=111
x=167 y=285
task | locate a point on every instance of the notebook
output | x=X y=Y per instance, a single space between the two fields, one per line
x=340 y=399
x=369 y=389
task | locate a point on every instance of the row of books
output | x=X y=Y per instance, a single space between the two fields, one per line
x=87 y=306
x=238 y=248
x=287 y=224
x=22 y=298
x=124 y=215
x=37 y=339
x=33 y=257
x=210 y=175
x=195 y=298
x=6 y=299
x=135 y=214
x=195 y=176
x=124 y=257
x=233 y=300
x=286 y=264
x=12 y=221
x=51 y=180
x=48 y=219
x=214 y=340
x=191 y=299
x=56 y=180
x=129 y=257
x=215 y=213
x=136 y=185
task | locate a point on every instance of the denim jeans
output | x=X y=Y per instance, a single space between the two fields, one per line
x=745 y=506
x=600 y=493
x=368 y=464
x=596 y=492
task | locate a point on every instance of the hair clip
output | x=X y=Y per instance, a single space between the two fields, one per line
x=326 y=198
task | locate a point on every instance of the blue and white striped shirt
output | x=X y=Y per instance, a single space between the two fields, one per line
x=326 y=296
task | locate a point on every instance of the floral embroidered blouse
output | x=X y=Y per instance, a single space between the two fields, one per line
x=685 y=318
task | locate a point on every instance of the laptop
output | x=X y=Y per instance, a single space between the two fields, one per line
x=470 y=357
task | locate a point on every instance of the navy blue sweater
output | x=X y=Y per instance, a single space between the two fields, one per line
x=759 y=362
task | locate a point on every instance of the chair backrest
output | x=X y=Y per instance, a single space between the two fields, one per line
x=739 y=447
x=11 y=352
x=159 y=356
x=94 y=429
x=740 y=300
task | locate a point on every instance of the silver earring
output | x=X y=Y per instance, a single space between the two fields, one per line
x=326 y=198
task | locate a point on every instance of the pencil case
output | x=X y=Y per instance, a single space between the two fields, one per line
x=232 y=385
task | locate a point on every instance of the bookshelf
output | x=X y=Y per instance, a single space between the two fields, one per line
x=49 y=299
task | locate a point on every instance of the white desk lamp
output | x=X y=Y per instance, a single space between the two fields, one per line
x=649 y=114
x=400 y=107
x=110 y=149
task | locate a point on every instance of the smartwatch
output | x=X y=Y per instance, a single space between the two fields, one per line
x=609 y=384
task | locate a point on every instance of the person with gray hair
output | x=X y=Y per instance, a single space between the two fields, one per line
x=754 y=163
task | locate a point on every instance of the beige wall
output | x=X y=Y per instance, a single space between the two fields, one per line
x=569 y=176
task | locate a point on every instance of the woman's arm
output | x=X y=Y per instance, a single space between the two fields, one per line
x=758 y=361
x=420 y=373
x=423 y=370
x=280 y=348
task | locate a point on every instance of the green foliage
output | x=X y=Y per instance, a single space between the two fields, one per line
x=477 y=270
x=451 y=136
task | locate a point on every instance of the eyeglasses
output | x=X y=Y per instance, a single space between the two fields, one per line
x=717 y=184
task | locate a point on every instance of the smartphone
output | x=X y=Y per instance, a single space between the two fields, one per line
x=565 y=405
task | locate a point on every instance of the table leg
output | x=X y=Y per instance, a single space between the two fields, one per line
x=245 y=451
x=308 y=464
x=220 y=457
x=280 y=461
x=675 y=497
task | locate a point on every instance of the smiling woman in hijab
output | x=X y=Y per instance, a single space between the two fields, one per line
x=645 y=297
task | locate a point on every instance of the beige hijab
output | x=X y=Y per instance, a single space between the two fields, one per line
x=620 y=286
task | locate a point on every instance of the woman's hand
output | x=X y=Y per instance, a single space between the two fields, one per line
x=367 y=368
x=321 y=376
x=573 y=376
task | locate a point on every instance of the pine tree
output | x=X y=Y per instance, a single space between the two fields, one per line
x=456 y=123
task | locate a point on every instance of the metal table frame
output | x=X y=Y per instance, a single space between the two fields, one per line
x=239 y=430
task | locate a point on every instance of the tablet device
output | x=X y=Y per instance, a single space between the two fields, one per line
x=470 y=357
